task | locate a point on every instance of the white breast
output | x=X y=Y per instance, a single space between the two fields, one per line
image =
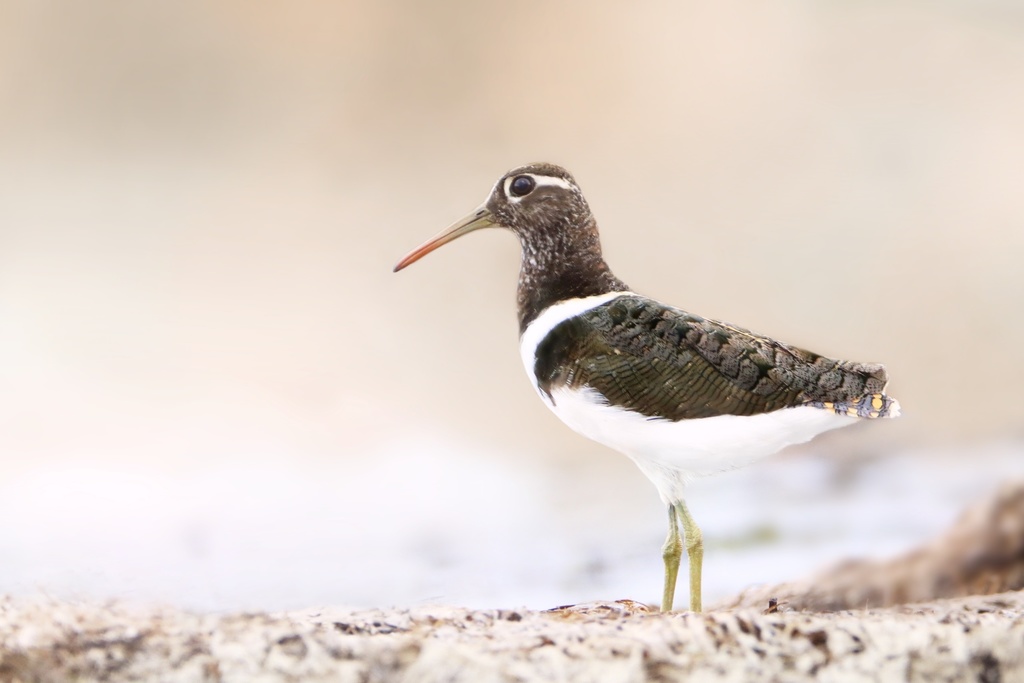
x=670 y=453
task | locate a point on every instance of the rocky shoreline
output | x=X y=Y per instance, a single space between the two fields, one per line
x=975 y=639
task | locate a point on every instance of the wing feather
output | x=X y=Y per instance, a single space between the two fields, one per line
x=666 y=363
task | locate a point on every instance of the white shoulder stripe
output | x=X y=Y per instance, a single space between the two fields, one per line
x=550 y=318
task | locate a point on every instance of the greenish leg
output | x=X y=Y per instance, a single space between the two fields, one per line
x=672 y=551
x=694 y=552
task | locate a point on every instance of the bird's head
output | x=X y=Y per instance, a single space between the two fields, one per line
x=537 y=202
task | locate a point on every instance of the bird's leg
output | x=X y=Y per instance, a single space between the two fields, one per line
x=672 y=551
x=694 y=552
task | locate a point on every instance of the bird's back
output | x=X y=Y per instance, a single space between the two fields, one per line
x=665 y=363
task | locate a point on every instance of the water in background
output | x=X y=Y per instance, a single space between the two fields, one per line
x=425 y=523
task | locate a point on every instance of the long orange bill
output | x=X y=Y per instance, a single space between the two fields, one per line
x=481 y=218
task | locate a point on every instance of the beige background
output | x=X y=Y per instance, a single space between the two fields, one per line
x=201 y=204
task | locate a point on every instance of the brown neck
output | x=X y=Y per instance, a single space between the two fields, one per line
x=560 y=264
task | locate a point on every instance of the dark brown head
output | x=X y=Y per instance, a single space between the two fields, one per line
x=544 y=207
x=535 y=202
x=537 y=199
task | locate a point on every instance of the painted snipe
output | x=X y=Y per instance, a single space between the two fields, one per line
x=681 y=395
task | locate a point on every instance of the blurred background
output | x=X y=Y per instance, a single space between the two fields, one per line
x=214 y=392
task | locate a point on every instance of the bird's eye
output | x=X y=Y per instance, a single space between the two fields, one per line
x=522 y=185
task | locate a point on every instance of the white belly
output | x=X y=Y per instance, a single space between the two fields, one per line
x=671 y=453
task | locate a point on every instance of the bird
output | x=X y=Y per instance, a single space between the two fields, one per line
x=681 y=395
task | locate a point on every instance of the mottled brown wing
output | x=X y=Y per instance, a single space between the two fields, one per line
x=665 y=363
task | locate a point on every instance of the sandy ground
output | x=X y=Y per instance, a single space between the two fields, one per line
x=975 y=639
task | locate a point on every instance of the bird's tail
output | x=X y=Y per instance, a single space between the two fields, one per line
x=869 y=406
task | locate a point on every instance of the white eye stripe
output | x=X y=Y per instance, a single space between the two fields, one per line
x=540 y=180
